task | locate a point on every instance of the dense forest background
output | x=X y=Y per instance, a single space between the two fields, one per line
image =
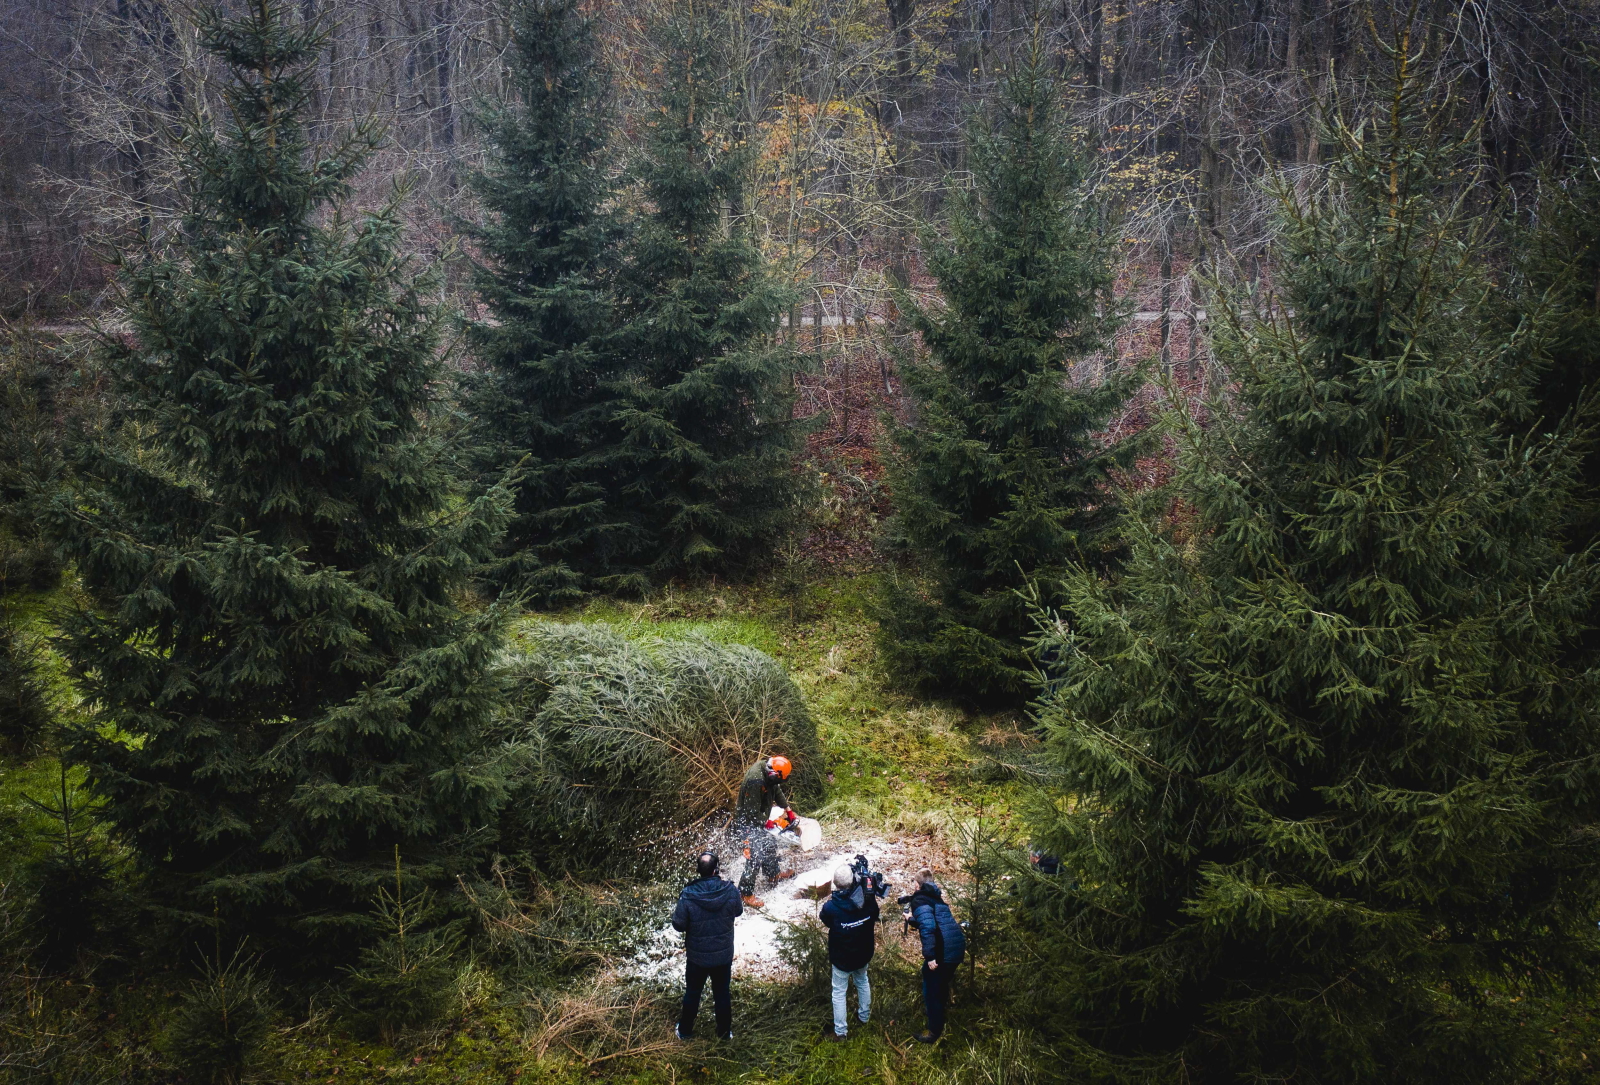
x=856 y=108
x=1136 y=457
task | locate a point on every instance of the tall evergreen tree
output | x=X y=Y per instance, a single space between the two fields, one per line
x=547 y=398
x=286 y=688
x=1331 y=781
x=708 y=426
x=1003 y=479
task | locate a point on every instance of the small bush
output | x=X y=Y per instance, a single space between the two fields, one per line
x=71 y=883
x=613 y=744
x=803 y=946
x=24 y=710
x=71 y=895
x=408 y=979
x=403 y=983
x=218 y=1029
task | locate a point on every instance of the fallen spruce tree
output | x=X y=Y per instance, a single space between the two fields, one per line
x=612 y=745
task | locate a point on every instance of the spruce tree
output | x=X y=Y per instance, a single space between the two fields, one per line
x=286 y=687
x=1331 y=785
x=1003 y=478
x=708 y=429
x=546 y=400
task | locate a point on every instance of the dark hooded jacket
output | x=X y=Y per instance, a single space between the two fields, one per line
x=943 y=940
x=705 y=913
x=851 y=916
x=757 y=797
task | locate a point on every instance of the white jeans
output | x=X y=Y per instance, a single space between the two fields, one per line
x=841 y=988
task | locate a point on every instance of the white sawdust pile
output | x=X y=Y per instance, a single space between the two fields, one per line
x=756 y=945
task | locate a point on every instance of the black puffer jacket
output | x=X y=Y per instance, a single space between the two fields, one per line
x=851 y=915
x=943 y=940
x=705 y=913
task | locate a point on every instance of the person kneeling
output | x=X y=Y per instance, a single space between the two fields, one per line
x=851 y=916
x=749 y=830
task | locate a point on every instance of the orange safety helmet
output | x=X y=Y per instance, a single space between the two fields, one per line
x=781 y=766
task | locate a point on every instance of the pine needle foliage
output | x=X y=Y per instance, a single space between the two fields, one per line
x=25 y=714
x=1560 y=268
x=406 y=979
x=708 y=430
x=616 y=744
x=31 y=460
x=71 y=884
x=1325 y=780
x=285 y=686
x=1003 y=479
x=545 y=401
x=1557 y=285
x=216 y=1033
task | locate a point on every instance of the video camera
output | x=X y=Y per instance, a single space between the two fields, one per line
x=873 y=880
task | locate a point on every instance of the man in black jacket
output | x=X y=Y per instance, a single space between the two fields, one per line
x=705 y=913
x=851 y=916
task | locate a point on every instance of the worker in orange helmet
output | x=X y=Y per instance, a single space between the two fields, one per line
x=759 y=791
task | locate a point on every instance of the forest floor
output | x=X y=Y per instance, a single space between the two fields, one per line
x=911 y=783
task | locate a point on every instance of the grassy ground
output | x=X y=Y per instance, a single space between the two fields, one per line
x=894 y=764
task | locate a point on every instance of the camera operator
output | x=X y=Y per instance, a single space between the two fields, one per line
x=851 y=916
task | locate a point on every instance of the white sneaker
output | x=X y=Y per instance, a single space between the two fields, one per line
x=677 y=1030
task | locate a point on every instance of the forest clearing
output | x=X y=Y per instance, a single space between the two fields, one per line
x=929 y=542
x=918 y=778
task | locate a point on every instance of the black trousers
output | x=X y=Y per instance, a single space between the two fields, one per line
x=720 y=976
x=936 y=996
x=763 y=857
